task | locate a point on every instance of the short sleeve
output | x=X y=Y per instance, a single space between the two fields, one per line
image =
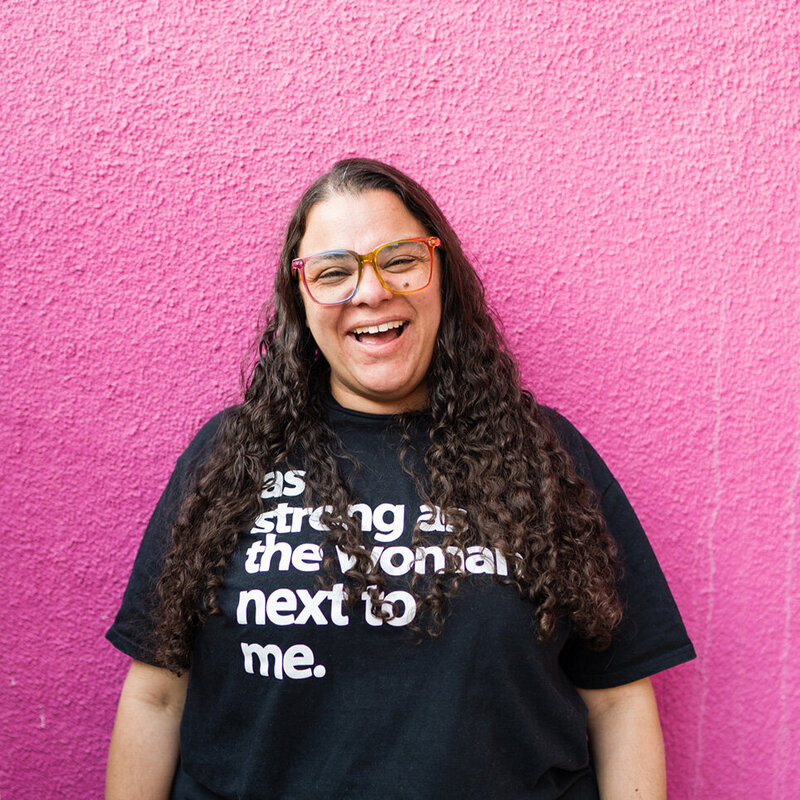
x=134 y=624
x=651 y=636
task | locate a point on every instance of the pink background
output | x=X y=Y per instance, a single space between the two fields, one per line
x=625 y=174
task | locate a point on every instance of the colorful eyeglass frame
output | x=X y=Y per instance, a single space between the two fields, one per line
x=298 y=265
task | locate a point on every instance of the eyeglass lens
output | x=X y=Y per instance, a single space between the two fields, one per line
x=403 y=266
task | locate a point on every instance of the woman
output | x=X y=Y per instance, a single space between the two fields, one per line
x=389 y=573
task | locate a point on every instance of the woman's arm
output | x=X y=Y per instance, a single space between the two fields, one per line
x=625 y=737
x=144 y=745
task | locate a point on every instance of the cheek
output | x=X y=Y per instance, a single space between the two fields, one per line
x=310 y=312
x=434 y=312
x=322 y=322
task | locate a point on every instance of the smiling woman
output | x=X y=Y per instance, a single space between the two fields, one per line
x=389 y=572
x=378 y=345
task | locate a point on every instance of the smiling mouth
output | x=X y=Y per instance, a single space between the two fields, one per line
x=378 y=334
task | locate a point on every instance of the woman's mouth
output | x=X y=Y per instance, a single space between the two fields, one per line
x=379 y=334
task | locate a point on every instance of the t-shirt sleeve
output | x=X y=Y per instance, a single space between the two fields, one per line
x=651 y=636
x=134 y=624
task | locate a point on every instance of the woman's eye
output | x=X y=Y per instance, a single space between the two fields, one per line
x=400 y=262
x=332 y=275
x=331 y=270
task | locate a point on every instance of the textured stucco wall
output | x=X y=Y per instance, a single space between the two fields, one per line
x=625 y=174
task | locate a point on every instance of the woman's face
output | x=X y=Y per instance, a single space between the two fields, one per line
x=382 y=373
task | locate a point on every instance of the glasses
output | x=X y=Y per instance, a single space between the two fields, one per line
x=402 y=267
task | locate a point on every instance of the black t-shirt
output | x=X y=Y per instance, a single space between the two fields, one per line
x=293 y=695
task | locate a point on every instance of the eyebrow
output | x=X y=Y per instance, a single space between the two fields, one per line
x=330 y=255
x=333 y=254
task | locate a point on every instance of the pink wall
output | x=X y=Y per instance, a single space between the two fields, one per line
x=624 y=172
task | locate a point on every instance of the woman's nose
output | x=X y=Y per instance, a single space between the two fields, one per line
x=370 y=289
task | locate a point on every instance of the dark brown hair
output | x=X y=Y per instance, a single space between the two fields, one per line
x=492 y=453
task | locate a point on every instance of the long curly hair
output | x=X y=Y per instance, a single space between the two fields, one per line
x=494 y=464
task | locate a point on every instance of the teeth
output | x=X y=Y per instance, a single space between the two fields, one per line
x=384 y=326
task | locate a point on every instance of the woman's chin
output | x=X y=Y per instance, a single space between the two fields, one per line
x=386 y=396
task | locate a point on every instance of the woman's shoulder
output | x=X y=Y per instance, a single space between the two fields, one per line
x=588 y=463
x=211 y=427
x=202 y=443
x=564 y=430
